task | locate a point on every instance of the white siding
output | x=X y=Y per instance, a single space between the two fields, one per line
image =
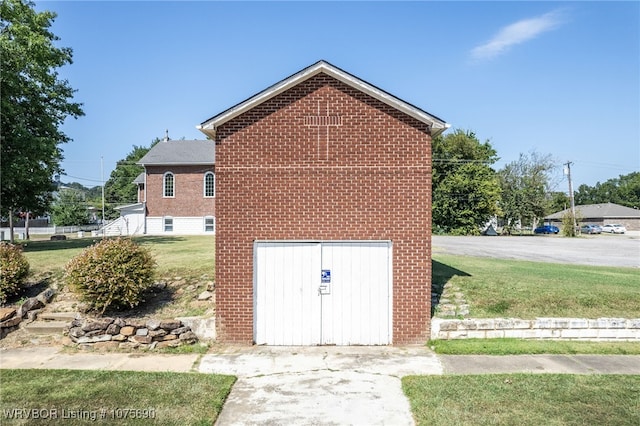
x=181 y=226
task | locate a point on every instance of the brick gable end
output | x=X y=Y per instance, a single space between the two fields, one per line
x=323 y=161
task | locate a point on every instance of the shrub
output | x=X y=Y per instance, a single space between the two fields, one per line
x=112 y=273
x=14 y=268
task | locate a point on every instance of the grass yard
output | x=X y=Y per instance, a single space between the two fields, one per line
x=527 y=347
x=160 y=398
x=524 y=399
x=520 y=289
x=194 y=255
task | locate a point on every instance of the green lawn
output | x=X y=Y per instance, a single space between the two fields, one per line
x=522 y=347
x=182 y=254
x=520 y=289
x=160 y=398
x=524 y=399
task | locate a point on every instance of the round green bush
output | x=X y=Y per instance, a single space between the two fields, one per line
x=14 y=268
x=113 y=273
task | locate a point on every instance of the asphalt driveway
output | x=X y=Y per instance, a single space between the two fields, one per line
x=602 y=250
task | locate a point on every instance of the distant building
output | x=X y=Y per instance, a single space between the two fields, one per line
x=602 y=214
x=176 y=192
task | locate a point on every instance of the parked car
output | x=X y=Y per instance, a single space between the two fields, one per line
x=546 y=229
x=590 y=229
x=614 y=228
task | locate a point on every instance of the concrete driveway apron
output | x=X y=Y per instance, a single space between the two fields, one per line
x=321 y=385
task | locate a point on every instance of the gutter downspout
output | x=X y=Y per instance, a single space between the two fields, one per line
x=144 y=203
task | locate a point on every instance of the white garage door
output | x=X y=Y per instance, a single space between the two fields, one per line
x=329 y=293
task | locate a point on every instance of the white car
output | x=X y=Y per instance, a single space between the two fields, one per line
x=614 y=228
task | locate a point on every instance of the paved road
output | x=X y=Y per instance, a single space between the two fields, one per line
x=603 y=250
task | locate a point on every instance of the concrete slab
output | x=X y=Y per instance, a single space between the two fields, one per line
x=559 y=364
x=318 y=385
x=46 y=327
x=319 y=397
x=248 y=361
x=54 y=358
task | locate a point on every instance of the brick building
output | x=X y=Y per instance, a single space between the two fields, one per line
x=323 y=203
x=176 y=191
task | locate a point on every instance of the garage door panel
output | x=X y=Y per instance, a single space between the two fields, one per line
x=357 y=311
x=289 y=310
x=286 y=294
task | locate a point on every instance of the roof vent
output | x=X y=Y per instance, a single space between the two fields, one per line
x=166 y=135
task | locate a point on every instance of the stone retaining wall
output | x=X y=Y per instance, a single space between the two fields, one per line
x=130 y=334
x=10 y=318
x=539 y=328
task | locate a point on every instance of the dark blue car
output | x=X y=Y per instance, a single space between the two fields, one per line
x=546 y=229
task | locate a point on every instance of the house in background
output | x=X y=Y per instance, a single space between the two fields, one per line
x=323 y=214
x=176 y=192
x=601 y=214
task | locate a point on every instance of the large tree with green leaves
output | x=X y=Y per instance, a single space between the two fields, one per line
x=69 y=208
x=623 y=190
x=35 y=102
x=120 y=189
x=525 y=185
x=465 y=187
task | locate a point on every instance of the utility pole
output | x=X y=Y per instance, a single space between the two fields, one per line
x=102 y=178
x=573 y=205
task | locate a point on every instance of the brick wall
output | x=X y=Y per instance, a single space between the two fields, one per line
x=323 y=161
x=189 y=197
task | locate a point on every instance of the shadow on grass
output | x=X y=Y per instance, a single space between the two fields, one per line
x=441 y=274
x=31 y=289
x=154 y=300
x=81 y=243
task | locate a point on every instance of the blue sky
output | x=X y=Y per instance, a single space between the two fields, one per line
x=560 y=78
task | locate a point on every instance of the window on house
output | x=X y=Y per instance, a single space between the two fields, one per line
x=168 y=224
x=209 y=184
x=168 y=186
x=209 y=224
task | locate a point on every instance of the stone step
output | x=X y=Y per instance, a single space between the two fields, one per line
x=58 y=316
x=46 y=327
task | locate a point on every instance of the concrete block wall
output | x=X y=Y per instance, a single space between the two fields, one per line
x=539 y=328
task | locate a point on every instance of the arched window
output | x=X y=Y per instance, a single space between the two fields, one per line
x=168 y=185
x=209 y=184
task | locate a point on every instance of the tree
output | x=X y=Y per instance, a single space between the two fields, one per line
x=525 y=187
x=34 y=104
x=465 y=188
x=624 y=190
x=120 y=189
x=558 y=201
x=69 y=209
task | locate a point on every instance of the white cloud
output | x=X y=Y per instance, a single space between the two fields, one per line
x=517 y=33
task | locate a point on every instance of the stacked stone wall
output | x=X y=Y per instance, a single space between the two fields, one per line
x=539 y=328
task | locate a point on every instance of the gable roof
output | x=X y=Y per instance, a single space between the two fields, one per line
x=180 y=152
x=139 y=179
x=436 y=124
x=603 y=210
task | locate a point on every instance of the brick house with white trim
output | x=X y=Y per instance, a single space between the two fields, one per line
x=323 y=233
x=176 y=191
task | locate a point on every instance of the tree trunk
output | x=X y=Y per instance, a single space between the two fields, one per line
x=26 y=226
x=11 y=239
